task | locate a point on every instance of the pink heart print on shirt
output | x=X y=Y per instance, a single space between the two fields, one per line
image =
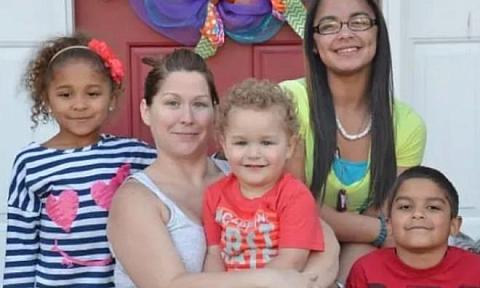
x=102 y=193
x=62 y=209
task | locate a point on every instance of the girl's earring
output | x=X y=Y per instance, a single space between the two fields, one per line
x=110 y=108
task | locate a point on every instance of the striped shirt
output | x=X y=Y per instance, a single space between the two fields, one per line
x=57 y=212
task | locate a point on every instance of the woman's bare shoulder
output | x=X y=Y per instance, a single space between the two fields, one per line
x=133 y=195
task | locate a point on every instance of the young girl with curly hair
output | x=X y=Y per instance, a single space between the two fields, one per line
x=61 y=190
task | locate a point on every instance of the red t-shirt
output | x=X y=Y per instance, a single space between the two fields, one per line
x=250 y=231
x=382 y=268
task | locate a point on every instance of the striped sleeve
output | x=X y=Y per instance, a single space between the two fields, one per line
x=23 y=219
x=65 y=244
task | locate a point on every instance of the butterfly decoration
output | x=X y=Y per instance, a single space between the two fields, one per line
x=206 y=23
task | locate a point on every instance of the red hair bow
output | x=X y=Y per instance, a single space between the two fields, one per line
x=110 y=60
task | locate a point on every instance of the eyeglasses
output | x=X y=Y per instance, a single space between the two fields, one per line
x=331 y=25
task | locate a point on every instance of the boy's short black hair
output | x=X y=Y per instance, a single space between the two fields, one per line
x=431 y=174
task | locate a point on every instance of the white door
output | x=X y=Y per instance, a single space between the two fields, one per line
x=436 y=50
x=24 y=25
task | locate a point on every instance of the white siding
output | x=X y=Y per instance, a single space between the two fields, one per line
x=436 y=51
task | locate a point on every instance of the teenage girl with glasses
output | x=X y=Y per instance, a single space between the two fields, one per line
x=356 y=137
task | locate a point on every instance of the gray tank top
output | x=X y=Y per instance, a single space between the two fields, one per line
x=187 y=236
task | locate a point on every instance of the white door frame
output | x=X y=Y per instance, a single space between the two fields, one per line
x=400 y=45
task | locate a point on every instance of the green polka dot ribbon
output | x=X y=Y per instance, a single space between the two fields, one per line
x=213 y=35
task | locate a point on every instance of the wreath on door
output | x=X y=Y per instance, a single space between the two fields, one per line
x=205 y=23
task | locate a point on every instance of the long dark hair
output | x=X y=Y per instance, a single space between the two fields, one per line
x=383 y=164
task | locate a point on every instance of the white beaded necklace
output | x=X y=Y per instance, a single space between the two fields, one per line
x=353 y=137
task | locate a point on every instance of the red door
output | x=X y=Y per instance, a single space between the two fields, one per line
x=116 y=23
